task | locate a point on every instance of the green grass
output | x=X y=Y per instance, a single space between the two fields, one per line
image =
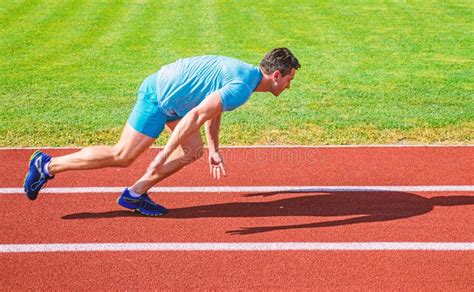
x=372 y=71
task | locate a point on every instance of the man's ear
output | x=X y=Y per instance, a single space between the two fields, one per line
x=276 y=75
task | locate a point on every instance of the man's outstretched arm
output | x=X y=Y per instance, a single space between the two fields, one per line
x=216 y=163
x=212 y=133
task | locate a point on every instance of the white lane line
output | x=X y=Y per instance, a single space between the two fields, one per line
x=238 y=246
x=253 y=189
x=274 y=146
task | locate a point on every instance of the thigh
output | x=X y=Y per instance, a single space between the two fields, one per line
x=194 y=141
x=132 y=143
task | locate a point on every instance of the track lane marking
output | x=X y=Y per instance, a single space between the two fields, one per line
x=271 y=146
x=256 y=189
x=238 y=246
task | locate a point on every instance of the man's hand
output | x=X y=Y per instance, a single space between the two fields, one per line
x=216 y=165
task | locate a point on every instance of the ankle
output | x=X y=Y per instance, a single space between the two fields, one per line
x=138 y=189
x=46 y=169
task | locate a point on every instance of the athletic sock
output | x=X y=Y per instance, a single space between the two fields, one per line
x=46 y=170
x=133 y=194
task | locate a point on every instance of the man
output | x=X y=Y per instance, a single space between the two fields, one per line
x=182 y=96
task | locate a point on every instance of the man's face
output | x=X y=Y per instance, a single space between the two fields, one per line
x=280 y=83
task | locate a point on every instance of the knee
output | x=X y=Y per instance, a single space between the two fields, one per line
x=121 y=158
x=199 y=152
x=193 y=153
x=123 y=161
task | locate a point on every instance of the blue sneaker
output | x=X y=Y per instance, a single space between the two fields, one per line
x=36 y=178
x=143 y=204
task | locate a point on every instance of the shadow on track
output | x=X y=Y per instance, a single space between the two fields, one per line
x=102 y=215
x=364 y=207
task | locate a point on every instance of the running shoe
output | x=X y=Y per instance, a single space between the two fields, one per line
x=36 y=178
x=143 y=204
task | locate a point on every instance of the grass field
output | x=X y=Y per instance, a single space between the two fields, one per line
x=372 y=71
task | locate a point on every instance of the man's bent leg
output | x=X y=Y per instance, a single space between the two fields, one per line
x=189 y=151
x=131 y=144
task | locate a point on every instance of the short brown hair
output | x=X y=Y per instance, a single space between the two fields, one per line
x=279 y=59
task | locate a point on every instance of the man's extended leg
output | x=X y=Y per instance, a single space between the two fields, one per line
x=43 y=167
x=190 y=150
x=131 y=144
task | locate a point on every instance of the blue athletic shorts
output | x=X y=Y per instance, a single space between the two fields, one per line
x=147 y=117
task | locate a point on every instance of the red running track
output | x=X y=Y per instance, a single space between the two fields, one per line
x=243 y=217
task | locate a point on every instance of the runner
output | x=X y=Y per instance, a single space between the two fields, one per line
x=182 y=96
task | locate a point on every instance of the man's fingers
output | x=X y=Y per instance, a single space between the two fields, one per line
x=216 y=173
x=216 y=167
x=223 y=169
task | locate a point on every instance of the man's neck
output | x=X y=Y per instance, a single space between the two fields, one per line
x=265 y=82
